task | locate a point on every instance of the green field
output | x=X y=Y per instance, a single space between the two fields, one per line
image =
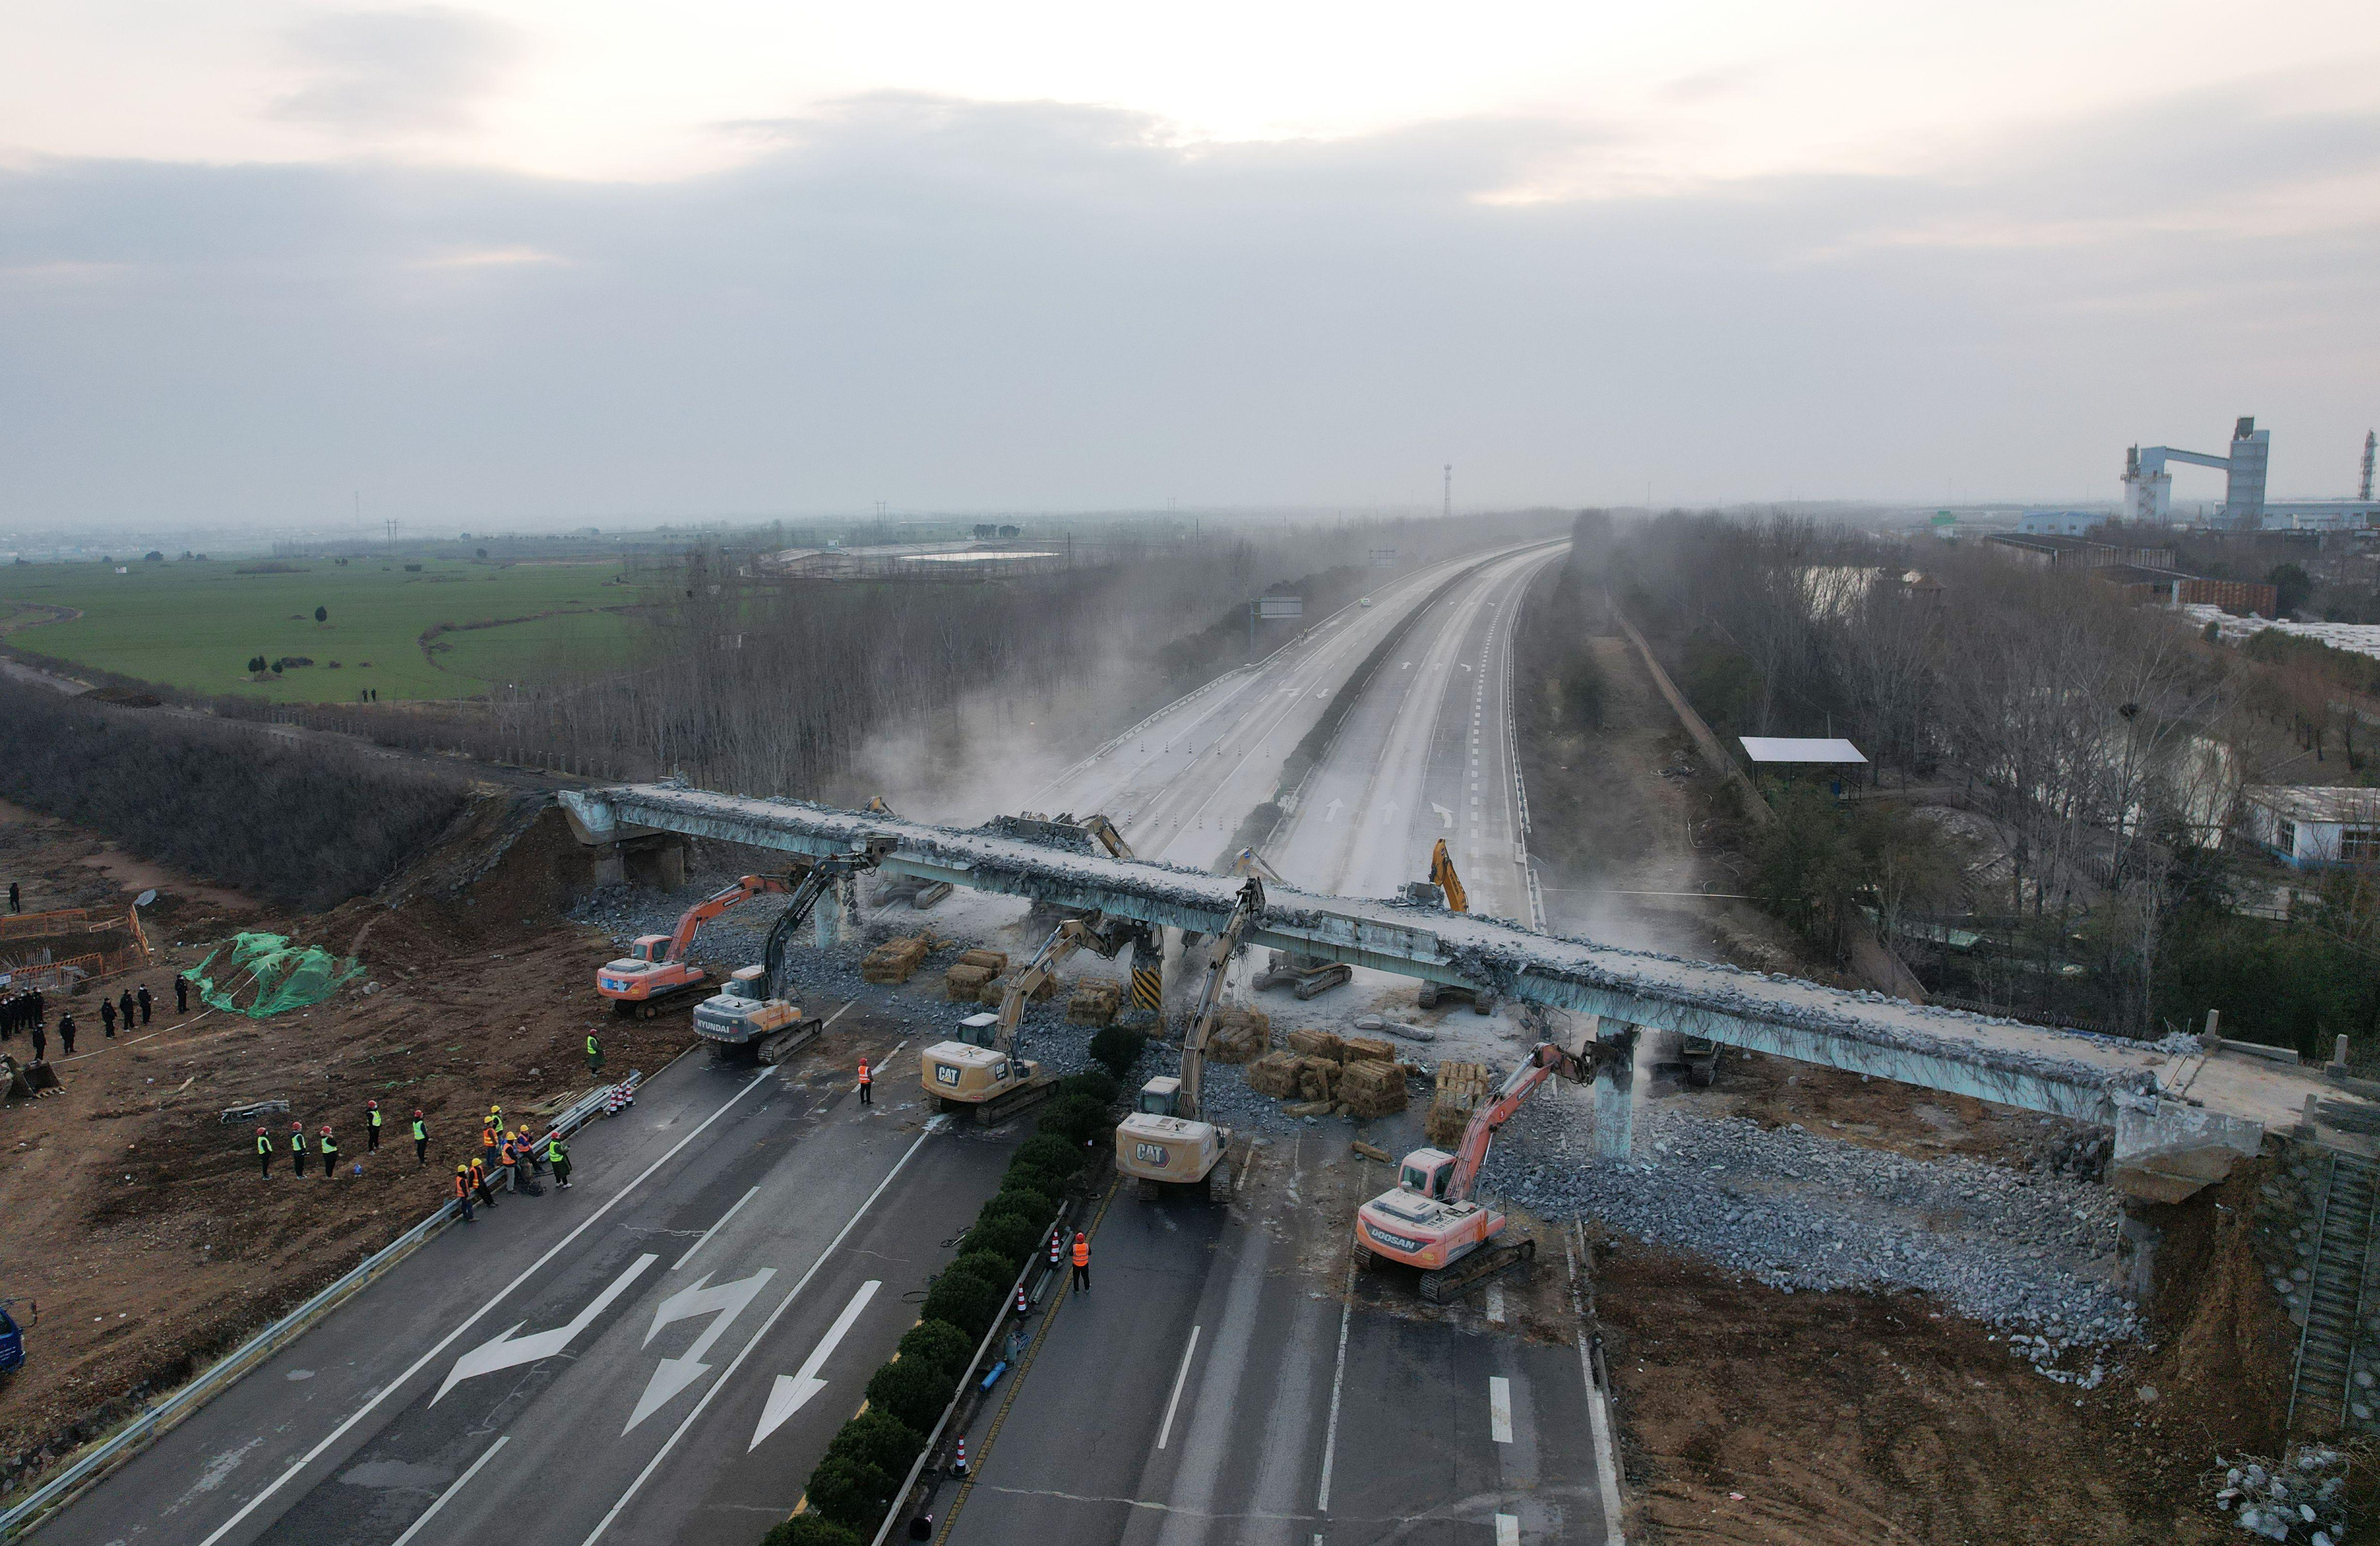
x=194 y=624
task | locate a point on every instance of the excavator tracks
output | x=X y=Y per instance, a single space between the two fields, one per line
x=1449 y=1284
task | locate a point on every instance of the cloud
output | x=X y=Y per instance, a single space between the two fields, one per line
x=1034 y=306
x=375 y=74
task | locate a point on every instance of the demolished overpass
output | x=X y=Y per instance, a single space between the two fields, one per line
x=2166 y=1145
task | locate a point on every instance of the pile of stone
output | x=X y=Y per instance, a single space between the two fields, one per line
x=1461 y=1090
x=2302 y=1498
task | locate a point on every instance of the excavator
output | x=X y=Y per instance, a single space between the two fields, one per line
x=655 y=971
x=1164 y=1142
x=1428 y=1221
x=752 y=1011
x=976 y=1071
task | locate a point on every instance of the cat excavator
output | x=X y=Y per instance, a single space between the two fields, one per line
x=753 y=1011
x=1166 y=1142
x=656 y=972
x=976 y=1071
x=1429 y=1220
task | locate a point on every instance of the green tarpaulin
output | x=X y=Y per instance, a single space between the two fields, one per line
x=264 y=974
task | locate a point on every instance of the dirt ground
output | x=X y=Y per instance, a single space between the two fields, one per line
x=1809 y=1419
x=136 y=1221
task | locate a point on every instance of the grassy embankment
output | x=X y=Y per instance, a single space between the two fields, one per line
x=196 y=626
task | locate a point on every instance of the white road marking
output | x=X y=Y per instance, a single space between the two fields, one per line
x=1496 y=1304
x=450 y=1337
x=723 y=1303
x=1508 y=1531
x=836 y=1016
x=431 y=1512
x=1500 y=1408
x=792 y=1391
x=506 y=1352
x=1445 y=816
x=1338 y=1378
x=1166 y=1431
x=932 y=1127
x=714 y=1229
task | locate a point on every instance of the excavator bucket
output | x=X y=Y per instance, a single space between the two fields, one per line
x=1442 y=875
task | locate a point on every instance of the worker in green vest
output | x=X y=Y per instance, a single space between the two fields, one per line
x=420 y=1139
x=330 y=1147
x=594 y=1055
x=371 y=1127
x=297 y=1146
x=559 y=1158
x=265 y=1153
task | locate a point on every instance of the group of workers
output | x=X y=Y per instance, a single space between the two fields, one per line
x=501 y=1153
x=28 y=1011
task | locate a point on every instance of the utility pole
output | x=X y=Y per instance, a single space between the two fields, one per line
x=2371 y=447
x=1446 y=503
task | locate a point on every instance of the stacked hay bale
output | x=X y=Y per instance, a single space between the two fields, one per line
x=1240 y=1036
x=893 y=961
x=1275 y=1074
x=1374 y=1081
x=963 y=982
x=1461 y=1090
x=1094 y=1003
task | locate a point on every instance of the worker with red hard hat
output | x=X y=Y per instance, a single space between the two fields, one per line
x=1083 y=1262
x=297 y=1146
x=265 y=1153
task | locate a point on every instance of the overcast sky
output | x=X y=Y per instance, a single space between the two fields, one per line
x=523 y=262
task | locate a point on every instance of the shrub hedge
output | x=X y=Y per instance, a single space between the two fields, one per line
x=853 y=1485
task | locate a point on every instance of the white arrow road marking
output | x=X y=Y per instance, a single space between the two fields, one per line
x=1445 y=816
x=723 y=1303
x=1389 y=814
x=792 y=1391
x=1330 y=811
x=505 y=1351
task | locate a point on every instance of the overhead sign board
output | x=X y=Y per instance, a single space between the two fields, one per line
x=1384 y=558
x=1272 y=608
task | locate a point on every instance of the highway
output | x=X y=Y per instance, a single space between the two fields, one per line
x=663 y=1353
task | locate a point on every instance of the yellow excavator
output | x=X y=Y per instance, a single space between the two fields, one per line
x=1442 y=875
x=1165 y=1142
x=976 y=1071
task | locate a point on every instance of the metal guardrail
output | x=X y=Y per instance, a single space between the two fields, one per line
x=137 y=1434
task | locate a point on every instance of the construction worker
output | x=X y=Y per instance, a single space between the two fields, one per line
x=65 y=1038
x=181 y=995
x=559 y=1158
x=1083 y=1262
x=265 y=1153
x=866 y=1084
x=594 y=1055
x=479 y=1181
x=15 y=900
x=487 y=1141
x=371 y=1126
x=330 y=1147
x=463 y=1192
x=527 y=1148
x=124 y=1007
x=142 y=999
x=420 y=1139
x=106 y=1019
x=42 y=1038
x=507 y=1160
x=297 y=1146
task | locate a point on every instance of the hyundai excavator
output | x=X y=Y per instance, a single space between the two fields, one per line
x=655 y=971
x=1428 y=1219
x=976 y=1071
x=753 y=1010
x=1164 y=1141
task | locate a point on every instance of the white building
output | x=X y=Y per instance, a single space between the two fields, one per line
x=2310 y=826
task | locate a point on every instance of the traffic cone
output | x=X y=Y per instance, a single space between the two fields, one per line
x=959 y=1466
x=1023 y=1308
x=1057 y=1249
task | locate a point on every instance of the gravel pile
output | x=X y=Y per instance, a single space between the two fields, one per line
x=2302 y=1498
x=1797 y=1211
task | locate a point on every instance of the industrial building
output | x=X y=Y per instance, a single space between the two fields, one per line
x=2143 y=574
x=2308 y=827
x=2148 y=487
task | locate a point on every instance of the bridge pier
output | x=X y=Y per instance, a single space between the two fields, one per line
x=1615 y=1090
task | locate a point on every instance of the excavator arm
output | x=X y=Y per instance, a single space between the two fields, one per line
x=1194 y=1043
x=1074 y=934
x=815 y=882
x=1544 y=1062
x=1099 y=826
x=691 y=921
x=1442 y=875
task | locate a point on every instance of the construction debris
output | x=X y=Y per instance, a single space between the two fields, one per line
x=1317 y=1078
x=1373 y=1151
x=1395 y=1028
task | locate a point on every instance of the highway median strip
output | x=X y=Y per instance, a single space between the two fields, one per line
x=873 y=1465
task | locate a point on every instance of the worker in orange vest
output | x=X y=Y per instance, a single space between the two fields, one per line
x=866 y=1084
x=463 y=1192
x=1083 y=1262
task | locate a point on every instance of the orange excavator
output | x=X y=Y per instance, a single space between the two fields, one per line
x=1429 y=1220
x=656 y=972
